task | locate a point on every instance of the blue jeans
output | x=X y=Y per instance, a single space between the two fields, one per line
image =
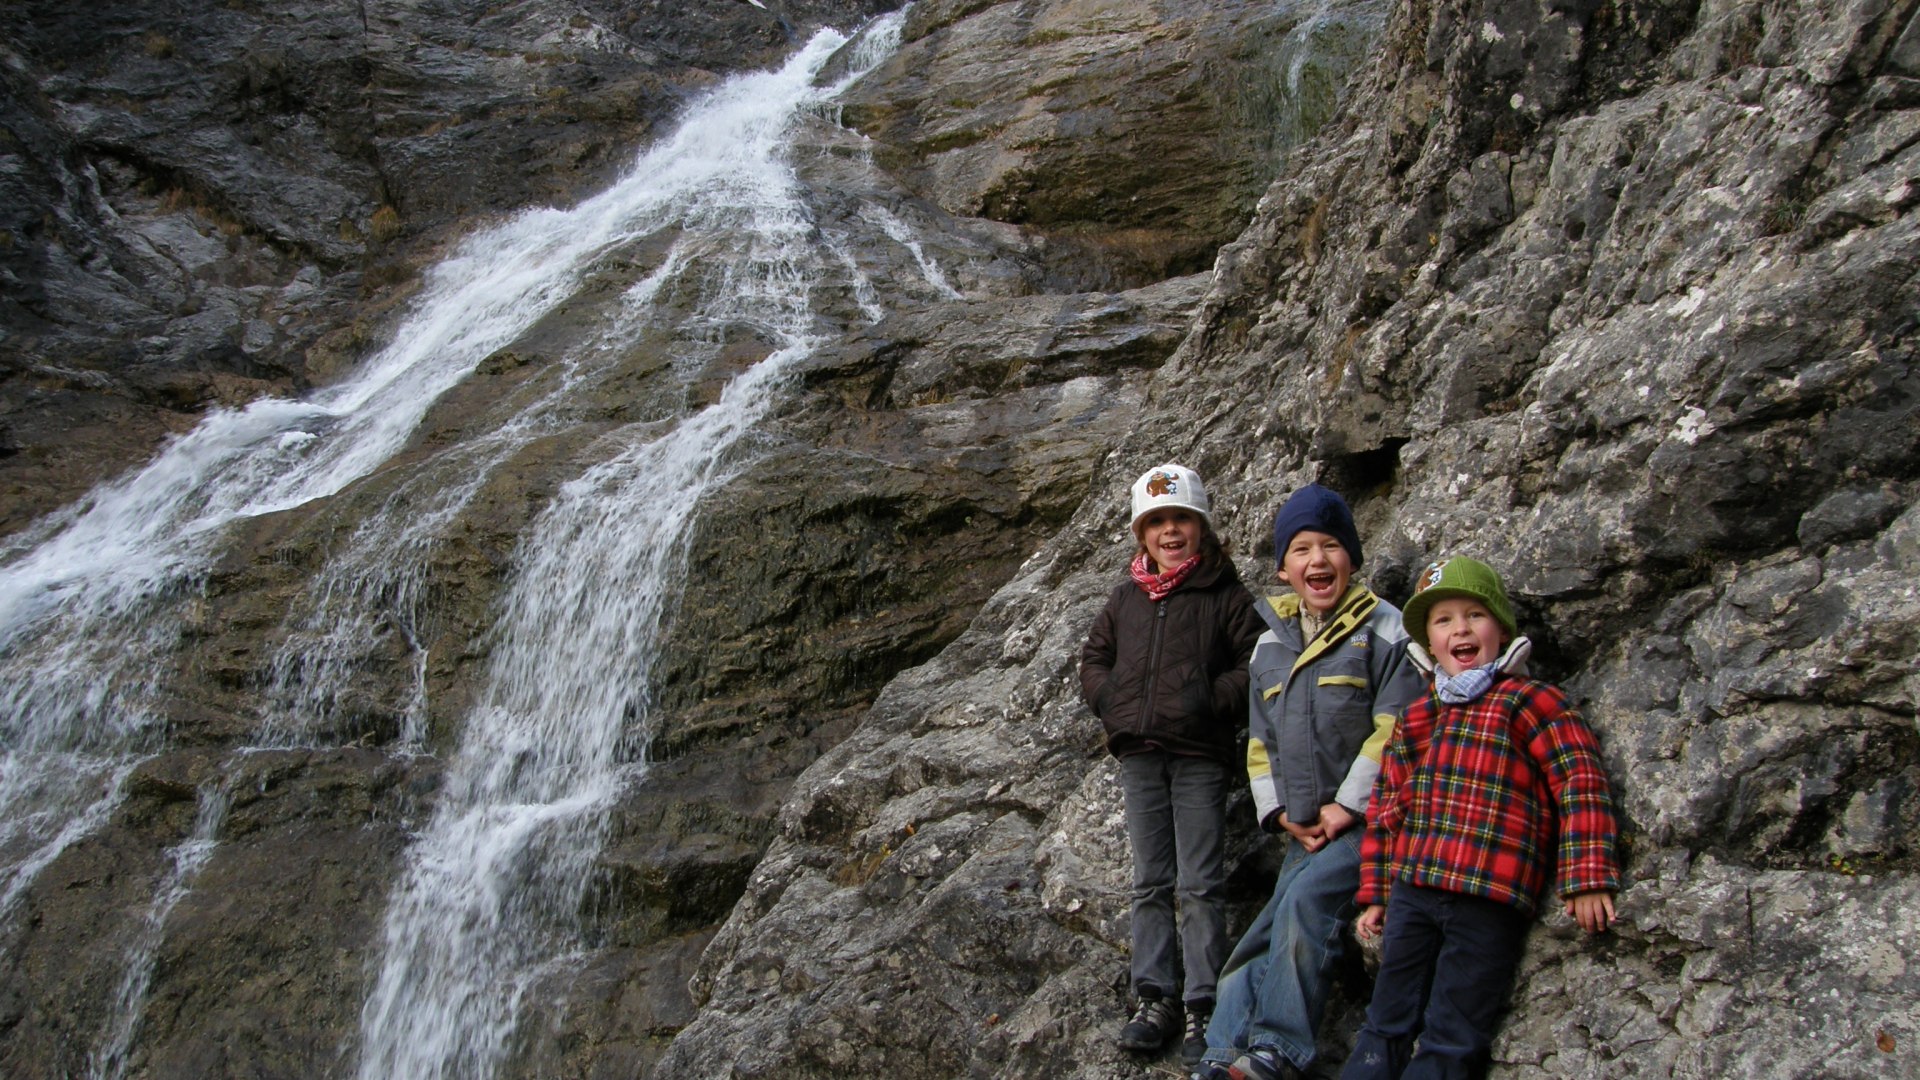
x=1176 y=824
x=1274 y=990
x=1446 y=964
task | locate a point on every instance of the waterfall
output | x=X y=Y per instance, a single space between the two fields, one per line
x=94 y=600
x=489 y=898
x=89 y=612
x=110 y=1060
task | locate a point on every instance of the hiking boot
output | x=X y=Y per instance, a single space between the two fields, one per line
x=1262 y=1063
x=1193 y=1046
x=1153 y=1023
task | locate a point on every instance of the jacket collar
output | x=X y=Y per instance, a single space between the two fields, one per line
x=1353 y=609
x=1211 y=569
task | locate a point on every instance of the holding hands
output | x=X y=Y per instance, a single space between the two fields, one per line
x=1334 y=820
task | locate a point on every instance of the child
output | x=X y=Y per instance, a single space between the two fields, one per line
x=1165 y=670
x=1327 y=680
x=1488 y=779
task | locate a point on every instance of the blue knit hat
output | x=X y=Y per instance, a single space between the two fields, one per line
x=1321 y=510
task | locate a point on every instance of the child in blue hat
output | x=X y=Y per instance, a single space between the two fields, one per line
x=1326 y=681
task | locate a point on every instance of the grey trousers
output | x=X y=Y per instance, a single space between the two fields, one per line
x=1176 y=821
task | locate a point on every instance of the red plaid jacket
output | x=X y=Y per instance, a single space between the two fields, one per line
x=1471 y=798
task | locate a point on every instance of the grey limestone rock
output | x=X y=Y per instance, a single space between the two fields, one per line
x=1620 y=299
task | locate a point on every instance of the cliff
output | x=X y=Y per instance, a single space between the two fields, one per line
x=1619 y=297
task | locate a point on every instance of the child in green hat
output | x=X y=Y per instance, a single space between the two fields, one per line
x=1490 y=783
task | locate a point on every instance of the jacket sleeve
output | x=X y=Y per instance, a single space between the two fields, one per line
x=1242 y=626
x=1397 y=684
x=1266 y=795
x=1570 y=756
x=1376 y=844
x=1096 y=657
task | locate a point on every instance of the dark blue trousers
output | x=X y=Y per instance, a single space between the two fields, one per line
x=1447 y=962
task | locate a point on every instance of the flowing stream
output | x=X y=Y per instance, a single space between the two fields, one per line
x=490 y=897
x=93 y=601
x=185 y=859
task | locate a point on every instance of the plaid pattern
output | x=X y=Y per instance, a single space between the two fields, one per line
x=1471 y=797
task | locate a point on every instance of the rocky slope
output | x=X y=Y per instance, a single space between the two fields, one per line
x=206 y=253
x=1620 y=297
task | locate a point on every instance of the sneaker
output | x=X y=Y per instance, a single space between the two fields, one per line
x=1153 y=1023
x=1194 y=1046
x=1262 y=1063
x=1208 y=1070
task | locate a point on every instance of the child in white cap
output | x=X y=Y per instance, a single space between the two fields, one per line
x=1165 y=670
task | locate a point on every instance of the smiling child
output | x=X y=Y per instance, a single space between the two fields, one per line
x=1489 y=783
x=1326 y=682
x=1165 y=669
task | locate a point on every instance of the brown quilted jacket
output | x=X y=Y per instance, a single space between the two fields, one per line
x=1172 y=675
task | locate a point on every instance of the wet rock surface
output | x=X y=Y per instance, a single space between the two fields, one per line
x=1618 y=298
x=1620 y=301
x=1133 y=137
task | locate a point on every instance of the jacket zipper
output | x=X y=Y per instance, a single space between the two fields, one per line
x=1153 y=665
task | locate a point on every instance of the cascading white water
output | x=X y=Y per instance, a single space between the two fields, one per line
x=110 y=1058
x=902 y=234
x=374 y=583
x=87 y=612
x=91 y=600
x=493 y=885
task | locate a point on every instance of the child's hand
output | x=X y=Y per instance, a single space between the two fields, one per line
x=1334 y=820
x=1592 y=910
x=1308 y=835
x=1370 y=922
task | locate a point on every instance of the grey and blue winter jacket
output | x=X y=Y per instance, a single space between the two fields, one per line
x=1321 y=712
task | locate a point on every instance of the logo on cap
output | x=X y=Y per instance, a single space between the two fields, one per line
x=1428 y=578
x=1162 y=484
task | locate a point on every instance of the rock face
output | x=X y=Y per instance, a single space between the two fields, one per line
x=1620 y=298
x=1077 y=118
x=226 y=915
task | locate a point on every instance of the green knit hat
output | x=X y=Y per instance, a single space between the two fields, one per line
x=1458 y=576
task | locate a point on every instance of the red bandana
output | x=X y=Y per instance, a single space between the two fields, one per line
x=1157 y=586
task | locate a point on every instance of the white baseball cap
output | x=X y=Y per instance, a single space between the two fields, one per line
x=1170 y=485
